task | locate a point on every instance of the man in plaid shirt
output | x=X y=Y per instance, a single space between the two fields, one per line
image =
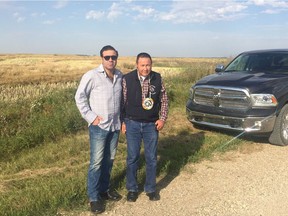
x=144 y=113
x=98 y=99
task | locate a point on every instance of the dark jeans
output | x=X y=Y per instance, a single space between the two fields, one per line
x=135 y=133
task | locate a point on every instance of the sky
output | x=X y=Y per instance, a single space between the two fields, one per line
x=189 y=28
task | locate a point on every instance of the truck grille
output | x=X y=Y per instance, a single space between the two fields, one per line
x=234 y=98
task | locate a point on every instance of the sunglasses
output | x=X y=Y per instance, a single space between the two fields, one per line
x=107 y=58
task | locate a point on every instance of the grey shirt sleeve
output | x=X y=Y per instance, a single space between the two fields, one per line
x=82 y=98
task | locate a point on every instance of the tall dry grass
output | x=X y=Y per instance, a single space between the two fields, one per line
x=31 y=76
x=43 y=132
x=27 y=69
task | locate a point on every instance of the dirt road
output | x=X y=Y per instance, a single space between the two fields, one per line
x=236 y=183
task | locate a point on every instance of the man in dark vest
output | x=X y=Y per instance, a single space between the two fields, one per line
x=144 y=112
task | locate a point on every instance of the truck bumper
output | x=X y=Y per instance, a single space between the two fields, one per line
x=248 y=124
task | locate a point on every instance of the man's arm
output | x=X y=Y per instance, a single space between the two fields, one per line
x=123 y=102
x=82 y=98
x=163 y=108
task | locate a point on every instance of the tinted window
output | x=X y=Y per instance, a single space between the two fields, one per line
x=260 y=62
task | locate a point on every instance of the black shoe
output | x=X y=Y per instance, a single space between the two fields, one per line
x=97 y=206
x=132 y=196
x=153 y=196
x=110 y=195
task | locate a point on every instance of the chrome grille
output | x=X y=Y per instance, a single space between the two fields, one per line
x=234 y=98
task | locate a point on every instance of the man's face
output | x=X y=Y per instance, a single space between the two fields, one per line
x=144 y=66
x=107 y=59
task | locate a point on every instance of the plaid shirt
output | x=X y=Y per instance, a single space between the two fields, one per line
x=145 y=93
x=98 y=96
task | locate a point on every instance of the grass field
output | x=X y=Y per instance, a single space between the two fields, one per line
x=44 y=150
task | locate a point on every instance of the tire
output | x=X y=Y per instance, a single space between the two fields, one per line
x=279 y=136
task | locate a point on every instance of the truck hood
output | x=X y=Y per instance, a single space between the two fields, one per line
x=253 y=81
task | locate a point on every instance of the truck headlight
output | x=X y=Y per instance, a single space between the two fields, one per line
x=260 y=100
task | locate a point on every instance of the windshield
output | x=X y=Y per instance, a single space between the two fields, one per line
x=273 y=62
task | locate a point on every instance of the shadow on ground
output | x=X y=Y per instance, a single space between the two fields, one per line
x=174 y=153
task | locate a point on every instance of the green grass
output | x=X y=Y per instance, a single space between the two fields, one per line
x=27 y=123
x=45 y=150
x=52 y=177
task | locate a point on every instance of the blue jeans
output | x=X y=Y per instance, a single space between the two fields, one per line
x=103 y=145
x=135 y=133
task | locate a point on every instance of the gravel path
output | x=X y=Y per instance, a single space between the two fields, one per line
x=236 y=183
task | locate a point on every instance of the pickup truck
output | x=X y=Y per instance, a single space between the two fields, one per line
x=249 y=95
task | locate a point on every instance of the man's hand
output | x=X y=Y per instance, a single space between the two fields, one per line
x=159 y=124
x=123 y=128
x=97 y=120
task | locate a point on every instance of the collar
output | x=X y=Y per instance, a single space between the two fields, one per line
x=100 y=69
x=150 y=76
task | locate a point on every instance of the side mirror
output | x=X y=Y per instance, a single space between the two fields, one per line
x=219 y=68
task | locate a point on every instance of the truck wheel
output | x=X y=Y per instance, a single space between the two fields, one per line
x=279 y=136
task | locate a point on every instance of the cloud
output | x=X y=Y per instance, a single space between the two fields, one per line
x=269 y=11
x=143 y=12
x=273 y=3
x=48 y=22
x=36 y=14
x=95 y=15
x=61 y=4
x=114 y=11
x=206 y=11
x=51 y=21
x=18 y=17
x=181 y=12
x=270 y=6
x=21 y=19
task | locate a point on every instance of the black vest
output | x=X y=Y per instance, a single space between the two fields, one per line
x=133 y=106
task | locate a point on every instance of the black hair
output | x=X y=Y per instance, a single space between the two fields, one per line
x=143 y=55
x=108 y=47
